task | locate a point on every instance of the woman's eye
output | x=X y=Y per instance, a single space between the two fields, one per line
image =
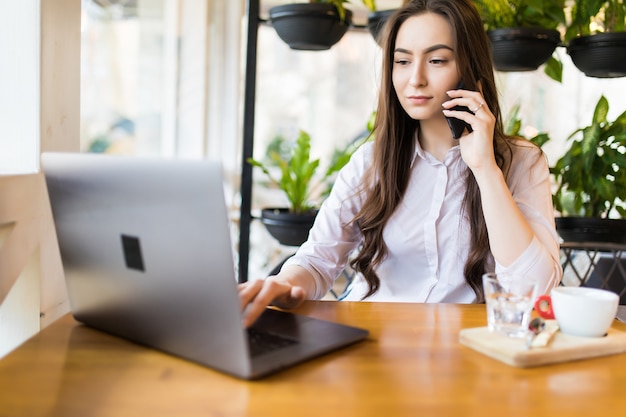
x=438 y=61
x=401 y=61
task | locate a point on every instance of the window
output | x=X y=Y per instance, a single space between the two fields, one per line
x=19 y=87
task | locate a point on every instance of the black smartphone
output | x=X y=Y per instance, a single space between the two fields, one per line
x=457 y=126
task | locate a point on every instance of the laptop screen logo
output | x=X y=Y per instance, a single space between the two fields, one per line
x=132 y=253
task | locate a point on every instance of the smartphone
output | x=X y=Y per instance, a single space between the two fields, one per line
x=457 y=126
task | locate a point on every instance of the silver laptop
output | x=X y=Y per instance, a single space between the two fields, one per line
x=146 y=249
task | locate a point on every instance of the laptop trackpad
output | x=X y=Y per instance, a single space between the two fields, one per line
x=312 y=337
x=309 y=332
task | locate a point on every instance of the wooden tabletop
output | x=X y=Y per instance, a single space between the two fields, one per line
x=412 y=364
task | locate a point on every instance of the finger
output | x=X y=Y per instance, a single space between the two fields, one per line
x=472 y=104
x=460 y=114
x=464 y=93
x=479 y=107
x=473 y=100
x=267 y=294
x=247 y=291
x=292 y=299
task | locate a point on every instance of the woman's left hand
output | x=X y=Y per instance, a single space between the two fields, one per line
x=476 y=146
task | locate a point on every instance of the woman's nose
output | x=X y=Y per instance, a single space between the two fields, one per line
x=417 y=75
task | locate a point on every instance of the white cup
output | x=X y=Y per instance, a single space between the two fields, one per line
x=579 y=311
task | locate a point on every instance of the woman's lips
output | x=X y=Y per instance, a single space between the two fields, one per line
x=418 y=99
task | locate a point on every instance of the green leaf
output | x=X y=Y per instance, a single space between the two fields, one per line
x=513 y=123
x=370 y=4
x=601 y=111
x=339 y=4
x=619 y=124
x=554 y=69
x=259 y=164
x=540 y=139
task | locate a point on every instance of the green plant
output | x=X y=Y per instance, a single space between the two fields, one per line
x=370 y=4
x=280 y=145
x=546 y=14
x=592 y=16
x=513 y=127
x=341 y=157
x=297 y=172
x=372 y=7
x=497 y=14
x=340 y=5
x=591 y=176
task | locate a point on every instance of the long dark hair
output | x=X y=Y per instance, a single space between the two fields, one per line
x=387 y=179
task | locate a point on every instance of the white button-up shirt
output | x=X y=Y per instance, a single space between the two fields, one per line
x=428 y=236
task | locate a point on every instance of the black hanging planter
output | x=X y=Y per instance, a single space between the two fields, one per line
x=376 y=21
x=309 y=26
x=522 y=49
x=591 y=229
x=288 y=228
x=602 y=55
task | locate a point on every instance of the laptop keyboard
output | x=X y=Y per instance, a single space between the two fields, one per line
x=262 y=342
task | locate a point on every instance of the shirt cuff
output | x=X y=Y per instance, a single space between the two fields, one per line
x=537 y=262
x=319 y=283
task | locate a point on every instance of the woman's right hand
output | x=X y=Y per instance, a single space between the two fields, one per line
x=256 y=295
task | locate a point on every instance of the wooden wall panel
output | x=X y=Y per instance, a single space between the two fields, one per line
x=32 y=286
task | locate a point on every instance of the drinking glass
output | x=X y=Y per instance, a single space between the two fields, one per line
x=510 y=299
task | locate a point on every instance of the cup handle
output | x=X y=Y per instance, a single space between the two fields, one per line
x=543 y=305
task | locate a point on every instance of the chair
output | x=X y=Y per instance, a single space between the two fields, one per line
x=596 y=265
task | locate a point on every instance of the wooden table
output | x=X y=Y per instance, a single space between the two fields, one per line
x=411 y=365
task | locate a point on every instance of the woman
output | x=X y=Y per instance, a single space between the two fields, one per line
x=429 y=214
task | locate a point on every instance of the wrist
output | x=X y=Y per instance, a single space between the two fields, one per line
x=487 y=174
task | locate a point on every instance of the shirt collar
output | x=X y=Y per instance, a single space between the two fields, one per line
x=453 y=154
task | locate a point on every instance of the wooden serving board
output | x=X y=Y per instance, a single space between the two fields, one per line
x=562 y=347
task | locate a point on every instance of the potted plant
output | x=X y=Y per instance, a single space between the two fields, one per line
x=313 y=26
x=595 y=37
x=590 y=180
x=523 y=33
x=376 y=19
x=290 y=225
x=590 y=256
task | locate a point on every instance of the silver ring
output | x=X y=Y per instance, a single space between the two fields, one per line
x=478 y=108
